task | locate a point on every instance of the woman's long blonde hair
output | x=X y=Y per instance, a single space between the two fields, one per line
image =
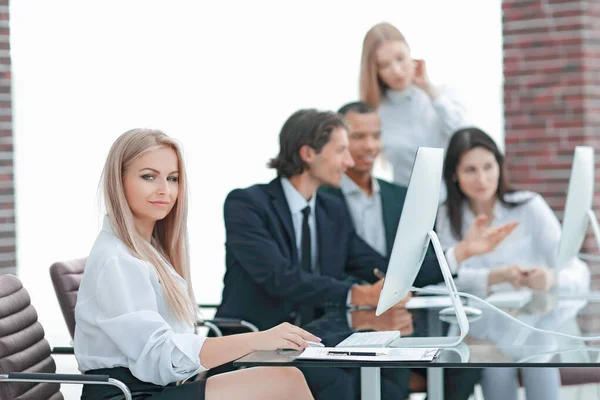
x=372 y=88
x=170 y=234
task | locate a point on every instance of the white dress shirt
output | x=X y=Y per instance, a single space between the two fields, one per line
x=123 y=319
x=297 y=203
x=366 y=213
x=409 y=120
x=533 y=243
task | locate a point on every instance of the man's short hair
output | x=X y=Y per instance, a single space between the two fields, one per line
x=305 y=127
x=358 y=107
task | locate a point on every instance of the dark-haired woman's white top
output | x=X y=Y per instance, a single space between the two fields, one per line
x=534 y=243
x=123 y=320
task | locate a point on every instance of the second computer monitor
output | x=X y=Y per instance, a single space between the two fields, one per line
x=577 y=206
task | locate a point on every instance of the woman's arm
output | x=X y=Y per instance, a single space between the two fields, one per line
x=480 y=239
x=126 y=311
x=220 y=350
x=129 y=315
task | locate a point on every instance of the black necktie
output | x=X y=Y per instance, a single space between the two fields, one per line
x=305 y=241
x=305 y=313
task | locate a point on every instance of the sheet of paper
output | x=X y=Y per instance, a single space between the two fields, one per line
x=428 y=302
x=385 y=354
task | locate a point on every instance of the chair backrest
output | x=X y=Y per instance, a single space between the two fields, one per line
x=22 y=344
x=66 y=278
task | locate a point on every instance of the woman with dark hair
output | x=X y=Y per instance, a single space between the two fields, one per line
x=480 y=197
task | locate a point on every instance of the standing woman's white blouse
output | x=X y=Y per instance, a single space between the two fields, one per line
x=409 y=120
x=123 y=320
x=534 y=243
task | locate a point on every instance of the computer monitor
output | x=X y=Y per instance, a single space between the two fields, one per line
x=578 y=207
x=415 y=230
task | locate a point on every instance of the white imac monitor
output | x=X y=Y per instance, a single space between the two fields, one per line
x=578 y=207
x=415 y=230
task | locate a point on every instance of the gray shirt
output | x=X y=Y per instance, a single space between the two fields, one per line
x=366 y=213
x=409 y=120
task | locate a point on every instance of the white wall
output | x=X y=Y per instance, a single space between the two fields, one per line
x=220 y=76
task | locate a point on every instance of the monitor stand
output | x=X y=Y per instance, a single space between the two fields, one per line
x=463 y=323
x=595 y=227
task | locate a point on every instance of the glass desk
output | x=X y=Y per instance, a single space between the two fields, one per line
x=494 y=340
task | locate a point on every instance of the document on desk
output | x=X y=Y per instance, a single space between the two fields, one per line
x=369 y=354
x=418 y=302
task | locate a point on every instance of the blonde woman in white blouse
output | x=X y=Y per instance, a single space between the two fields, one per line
x=136 y=310
x=479 y=199
x=413 y=111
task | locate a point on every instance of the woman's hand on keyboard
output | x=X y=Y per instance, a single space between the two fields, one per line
x=283 y=336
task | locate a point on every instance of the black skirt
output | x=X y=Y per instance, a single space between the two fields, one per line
x=140 y=390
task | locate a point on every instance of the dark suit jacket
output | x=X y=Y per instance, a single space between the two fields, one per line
x=264 y=283
x=392 y=202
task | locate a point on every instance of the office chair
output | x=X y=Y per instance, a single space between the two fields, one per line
x=66 y=278
x=24 y=348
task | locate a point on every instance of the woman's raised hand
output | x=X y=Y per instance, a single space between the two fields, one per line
x=481 y=238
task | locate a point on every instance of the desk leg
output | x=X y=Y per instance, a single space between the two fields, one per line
x=370 y=383
x=435 y=376
x=435 y=384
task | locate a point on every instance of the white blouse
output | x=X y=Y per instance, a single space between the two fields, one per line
x=123 y=319
x=409 y=120
x=533 y=243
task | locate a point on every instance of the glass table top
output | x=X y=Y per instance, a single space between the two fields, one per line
x=494 y=339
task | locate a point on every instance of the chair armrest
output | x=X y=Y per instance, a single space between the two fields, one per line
x=63 y=350
x=234 y=323
x=66 y=378
x=216 y=323
x=208 y=305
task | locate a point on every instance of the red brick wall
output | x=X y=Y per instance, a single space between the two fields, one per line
x=7 y=201
x=551 y=93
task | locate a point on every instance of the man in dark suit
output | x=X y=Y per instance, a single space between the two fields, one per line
x=287 y=248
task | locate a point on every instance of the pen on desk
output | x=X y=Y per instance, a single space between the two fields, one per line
x=378 y=273
x=353 y=353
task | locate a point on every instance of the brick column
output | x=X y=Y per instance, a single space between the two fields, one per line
x=7 y=200
x=551 y=93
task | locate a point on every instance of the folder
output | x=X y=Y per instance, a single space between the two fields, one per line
x=369 y=354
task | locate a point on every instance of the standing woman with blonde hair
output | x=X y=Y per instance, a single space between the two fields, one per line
x=413 y=112
x=136 y=311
